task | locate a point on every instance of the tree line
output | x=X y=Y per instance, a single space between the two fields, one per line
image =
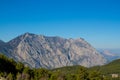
x=11 y=70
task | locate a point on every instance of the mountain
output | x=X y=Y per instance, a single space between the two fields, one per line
x=2 y=42
x=110 y=54
x=110 y=68
x=52 y=52
x=104 y=72
x=17 y=71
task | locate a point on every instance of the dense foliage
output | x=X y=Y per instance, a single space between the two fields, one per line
x=11 y=70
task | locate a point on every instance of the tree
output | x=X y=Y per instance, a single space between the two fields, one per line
x=71 y=77
x=95 y=75
x=26 y=70
x=18 y=76
x=41 y=73
x=20 y=67
x=10 y=76
x=82 y=73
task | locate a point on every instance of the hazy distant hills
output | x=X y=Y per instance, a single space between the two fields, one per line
x=110 y=54
x=51 y=52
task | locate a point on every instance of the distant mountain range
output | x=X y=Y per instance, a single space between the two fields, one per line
x=51 y=52
x=110 y=54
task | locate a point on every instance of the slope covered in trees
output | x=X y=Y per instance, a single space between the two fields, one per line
x=11 y=70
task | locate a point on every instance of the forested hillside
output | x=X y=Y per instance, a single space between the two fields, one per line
x=11 y=70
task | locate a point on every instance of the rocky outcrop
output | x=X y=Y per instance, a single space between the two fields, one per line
x=52 y=52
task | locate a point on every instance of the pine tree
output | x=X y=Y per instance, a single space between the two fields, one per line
x=10 y=76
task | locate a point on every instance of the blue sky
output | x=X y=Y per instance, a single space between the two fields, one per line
x=97 y=21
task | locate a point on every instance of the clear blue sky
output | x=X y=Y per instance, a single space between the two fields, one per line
x=97 y=21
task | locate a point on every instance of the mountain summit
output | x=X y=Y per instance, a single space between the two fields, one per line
x=52 y=52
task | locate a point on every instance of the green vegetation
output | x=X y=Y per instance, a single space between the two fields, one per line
x=11 y=70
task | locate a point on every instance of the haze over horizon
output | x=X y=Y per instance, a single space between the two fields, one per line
x=98 y=22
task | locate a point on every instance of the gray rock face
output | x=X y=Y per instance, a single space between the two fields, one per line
x=3 y=48
x=52 y=52
x=2 y=42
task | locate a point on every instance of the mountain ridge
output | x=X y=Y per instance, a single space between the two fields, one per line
x=52 y=52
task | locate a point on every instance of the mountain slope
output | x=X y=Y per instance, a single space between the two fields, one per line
x=110 y=68
x=2 y=42
x=52 y=52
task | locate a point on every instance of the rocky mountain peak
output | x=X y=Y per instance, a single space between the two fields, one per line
x=52 y=52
